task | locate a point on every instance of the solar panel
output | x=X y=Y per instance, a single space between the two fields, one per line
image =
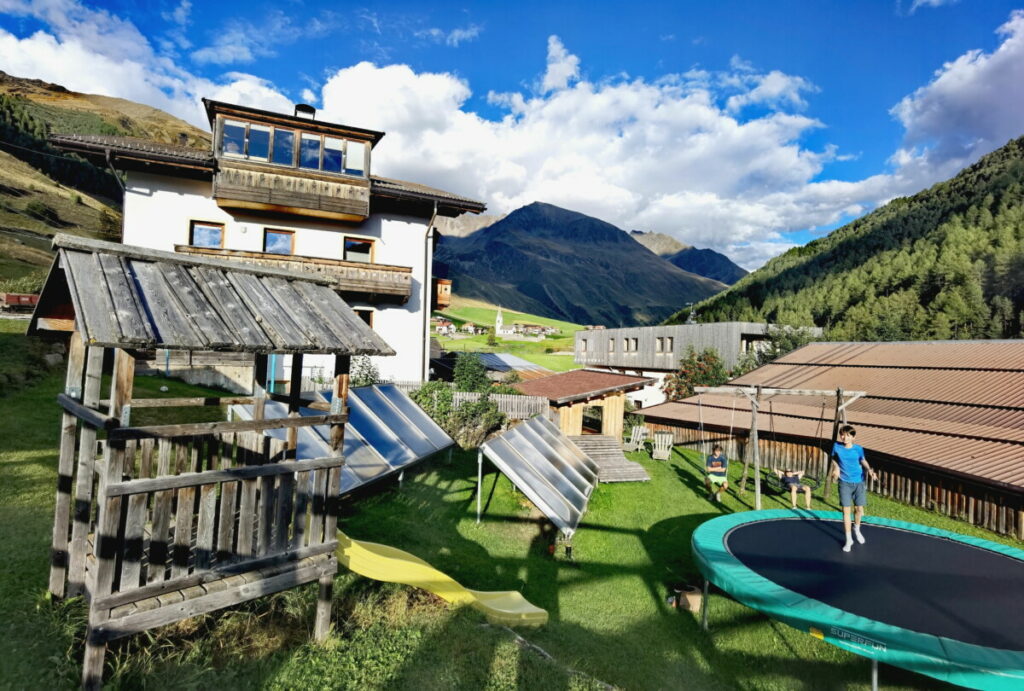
x=385 y=433
x=548 y=468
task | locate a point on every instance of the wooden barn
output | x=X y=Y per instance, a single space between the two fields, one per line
x=942 y=422
x=155 y=524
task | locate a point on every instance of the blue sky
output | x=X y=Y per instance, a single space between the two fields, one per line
x=743 y=126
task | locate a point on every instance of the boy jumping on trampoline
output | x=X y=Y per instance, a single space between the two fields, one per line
x=793 y=480
x=849 y=468
x=717 y=469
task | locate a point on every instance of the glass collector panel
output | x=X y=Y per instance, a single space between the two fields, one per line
x=309 y=152
x=284 y=147
x=394 y=421
x=377 y=435
x=332 y=155
x=233 y=143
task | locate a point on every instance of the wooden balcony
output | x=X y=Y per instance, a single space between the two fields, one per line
x=263 y=187
x=369 y=282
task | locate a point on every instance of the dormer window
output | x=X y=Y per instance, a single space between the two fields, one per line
x=291 y=148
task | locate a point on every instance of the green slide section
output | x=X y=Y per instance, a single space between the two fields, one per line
x=383 y=563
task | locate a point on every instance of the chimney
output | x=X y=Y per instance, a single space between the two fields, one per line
x=304 y=110
x=182 y=139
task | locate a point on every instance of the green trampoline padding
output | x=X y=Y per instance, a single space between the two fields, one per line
x=752 y=555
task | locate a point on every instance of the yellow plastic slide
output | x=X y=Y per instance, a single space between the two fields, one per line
x=383 y=563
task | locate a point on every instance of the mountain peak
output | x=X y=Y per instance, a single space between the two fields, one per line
x=659 y=243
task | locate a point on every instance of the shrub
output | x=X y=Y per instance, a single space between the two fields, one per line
x=470 y=374
x=695 y=369
x=364 y=372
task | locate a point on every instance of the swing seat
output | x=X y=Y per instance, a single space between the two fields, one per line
x=773 y=483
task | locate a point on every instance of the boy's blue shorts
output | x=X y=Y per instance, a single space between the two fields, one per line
x=852 y=494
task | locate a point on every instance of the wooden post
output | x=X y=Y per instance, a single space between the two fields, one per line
x=754 y=439
x=66 y=468
x=294 y=393
x=259 y=386
x=826 y=492
x=82 y=510
x=339 y=397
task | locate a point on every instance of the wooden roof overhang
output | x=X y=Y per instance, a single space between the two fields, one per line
x=215 y=108
x=130 y=297
x=129 y=153
x=579 y=386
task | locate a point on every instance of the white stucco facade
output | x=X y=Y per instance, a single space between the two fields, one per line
x=159 y=211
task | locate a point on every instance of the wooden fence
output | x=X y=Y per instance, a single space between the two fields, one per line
x=513 y=406
x=1001 y=511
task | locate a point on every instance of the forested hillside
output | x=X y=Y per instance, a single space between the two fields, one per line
x=945 y=263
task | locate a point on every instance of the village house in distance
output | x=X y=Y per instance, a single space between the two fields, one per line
x=293 y=192
x=655 y=351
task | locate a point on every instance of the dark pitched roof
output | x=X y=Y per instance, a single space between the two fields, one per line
x=311 y=124
x=149 y=151
x=144 y=148
x=954 y=406
x=133 y=297
x=580 y=385
x=401 y=189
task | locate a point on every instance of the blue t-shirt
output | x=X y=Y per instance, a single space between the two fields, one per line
x=717 y=466
x=850 y=469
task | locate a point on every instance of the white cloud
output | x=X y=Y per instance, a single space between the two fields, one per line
x=972 y=106
x=773 y=89
x=241 y=41
x=917 y=4
x=450 y=38
x=563 y=67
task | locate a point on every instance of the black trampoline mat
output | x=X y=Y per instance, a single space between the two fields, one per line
x=902 y=578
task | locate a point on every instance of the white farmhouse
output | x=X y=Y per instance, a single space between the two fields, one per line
x=294 y=192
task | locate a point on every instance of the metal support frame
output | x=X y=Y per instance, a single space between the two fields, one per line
x=754 y=394
x=874 y=675
x=704 y=606
x=479 y=483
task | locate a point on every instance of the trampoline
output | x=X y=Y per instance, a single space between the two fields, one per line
x=928 y=600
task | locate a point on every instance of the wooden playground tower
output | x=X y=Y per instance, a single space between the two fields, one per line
x=155 y=524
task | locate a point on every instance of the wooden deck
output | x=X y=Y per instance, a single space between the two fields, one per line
x=607 y=453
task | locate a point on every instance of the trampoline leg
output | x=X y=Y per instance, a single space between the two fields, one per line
x=704 y=606
x=479 y=482
x=874 y=675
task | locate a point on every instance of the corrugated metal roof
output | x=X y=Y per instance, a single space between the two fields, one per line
x=133 y=145
x=125 y=296
x=581 y=384
x=994 y=355
x=951 y=405
x=413 y=190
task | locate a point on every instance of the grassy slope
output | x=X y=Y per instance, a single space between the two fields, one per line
x=484 y=314
x=608 y=614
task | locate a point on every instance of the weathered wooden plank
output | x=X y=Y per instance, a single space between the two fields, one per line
x=131 y=568
x=195 y=306
x=285 y=489
x=184 y=518
x=247 y=516
x=160 y=533
x=82 y=509
x=266 y=515
x=59 y=544
x=333 y=502
x=310 y=323
x=303 y=490
x=236 y=315
x=128 y=311
x=211 y=578
x=172 y=326
x=205 y=526
x=223 y=427
x=186 y=402
x=342 y=321
x=318 y=517
x=276 y=320
x=228 y=501
x=107 y=547
x=209 y=603
x=93 y=308
x=91 y=417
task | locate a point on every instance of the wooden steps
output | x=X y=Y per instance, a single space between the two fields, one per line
x=607 y=453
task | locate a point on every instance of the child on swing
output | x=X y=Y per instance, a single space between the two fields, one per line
x=716 y=468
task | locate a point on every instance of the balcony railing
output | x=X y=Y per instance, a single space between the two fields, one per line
x=372 y=282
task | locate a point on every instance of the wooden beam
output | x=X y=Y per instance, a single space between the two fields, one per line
x=223 y=427
x=185 y=402
x=89 y=416
x=65 y=469
x=207 y=477
x=294 y=402
x=339 y=397
x=82 y=510
x=749 y=390
x=55 y=324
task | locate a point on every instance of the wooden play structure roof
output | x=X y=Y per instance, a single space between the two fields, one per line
x=132 y=297
x=581 y=385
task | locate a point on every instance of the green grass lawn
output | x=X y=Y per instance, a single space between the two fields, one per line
x=609 y=618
